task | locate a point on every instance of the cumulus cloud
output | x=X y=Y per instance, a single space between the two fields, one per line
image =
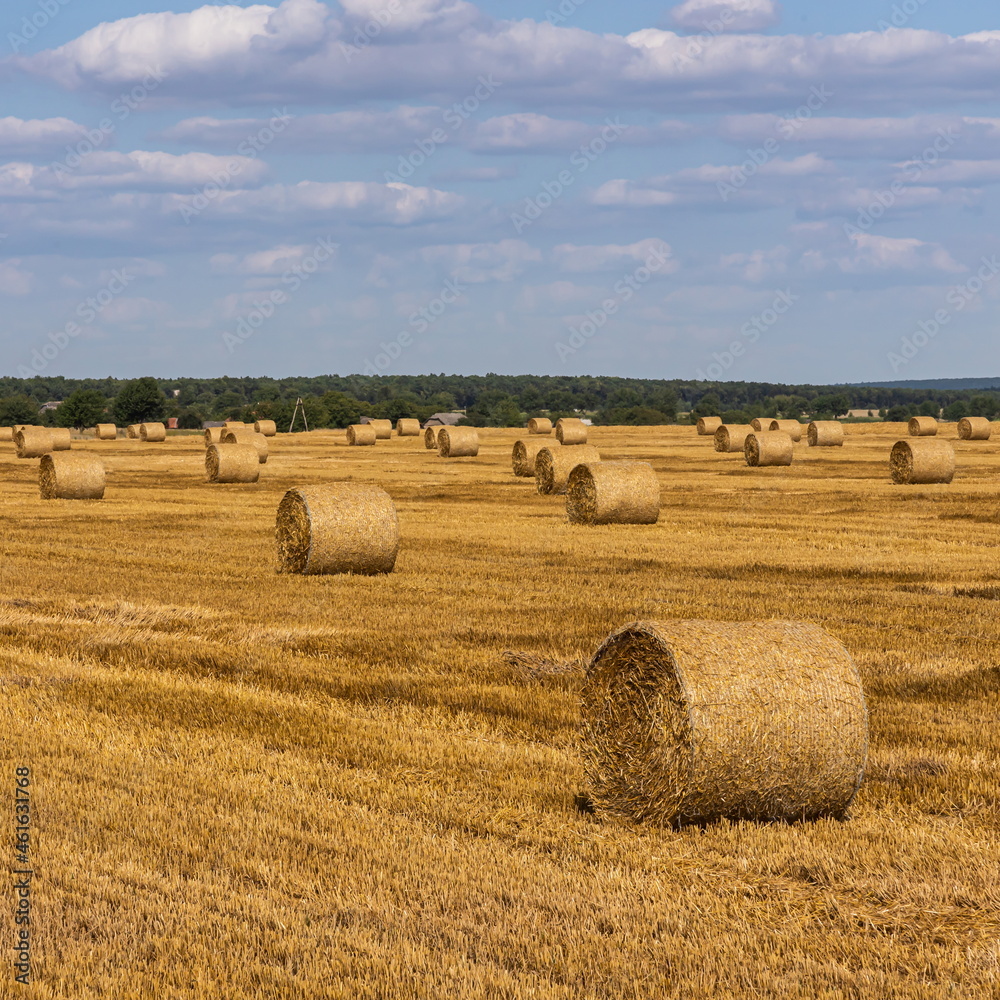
x=262 y=263
x=38 y=136
x=885 y=253
x=477 y=263
x=719 y=16
x=609 y=257
x=14 y=279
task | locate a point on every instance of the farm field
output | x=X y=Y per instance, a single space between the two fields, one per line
x=254 y=785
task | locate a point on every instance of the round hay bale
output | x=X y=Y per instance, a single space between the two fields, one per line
x=791 y=427
x=106 y=432
x=975 y=429
x=553 y=466
x=407 y=427
x=213 y=435
x=458 y=442
x=6 y=433
x=233 y=425
x=360 y=434
x=132 y=431
x=247 y=435
x=709 y=425
x=613 y=493
x=266 y=427
x=383 y=429
x=825 y=434
x=33 y=442
x=152 y=432
x=76 y=476
x=761 y=424
x=694 y=721
x=539 y=425
x=766 y=448
x=522 y=458
x=571 y=430
x=918 y=463
x=337 y=528
x=730 y=438
x=231 y=463
x=922 y=426
x=431 y=437
x=62 y=440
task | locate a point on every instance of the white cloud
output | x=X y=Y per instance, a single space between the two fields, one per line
x=477 y=263
x=14 y=280
x=885 y=253
x=274 y=261
x=717 y=16
x=609 y=257
x=758 y=265
x=34 y=136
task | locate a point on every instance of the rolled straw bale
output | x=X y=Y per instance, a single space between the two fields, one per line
x=246 y=435
x=152 y=432
x=539 y=425
x=975 y=429
x=761 y=423
x=132 y=431
x=33 y=442
x=266 y=427
x=458 y=442
x=231 y=463
x=213 y=435
x=709 y=425
x=337 y=528
x=106 y=432
x=232 y=425
x=407 y=427
x=791 y=427
x=613 y=493
x=6 y=433
x=826 y=434
x=61 y=439
x=383 y=429
x=916 y=463
x=768 y=448
x=694 y=721
x=571 y=430
x=360 y=434
x=730 y=438
x=431 y=437
x=522 y=458
x=20 y=427
x=922 y=426
x=553 y=466
x=76 y=476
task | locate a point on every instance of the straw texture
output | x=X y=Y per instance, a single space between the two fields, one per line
x=730 y=438
x=213 y=435
x=75 y=476
x=152 y=432
x=6 y=433
x=791 y=427
x=975 y=429
x=360 y=434
x=132 y=431
x=709 y=425
x=247 y=435
x=916 y=463
x=613 y=493
x=458 y=442
x=383 y=429
x=922 y=426
x=337 y=528
x=33 y=442
x=431 y=437
x=61 y=439
x=231 y=463
x=761 y=423
x=553 y=466
x=768 y=448
x=232 y=425
x=266 y=427
x=539 y=425
x=826 y=434
x=571 y=430
x=407 y=427
x=693 y=721
x=106 y=432
x=522 y=458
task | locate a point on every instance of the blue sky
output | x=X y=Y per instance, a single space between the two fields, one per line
x=734 y=189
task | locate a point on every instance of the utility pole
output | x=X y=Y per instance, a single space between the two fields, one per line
x=299 y=405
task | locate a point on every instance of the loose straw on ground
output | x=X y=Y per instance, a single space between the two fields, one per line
x=458 y=442
x=791 y=427
x=730 y=438
x=383 y=429
x=922 y=426
x=768 y=448
x=231 y=463
x=33 y=442
x=613 y=493
x=62 y=440
x=709 y=425
x=152 y=432
x=826 y=434
x=266 y=427
x=407 y=427
x=73 y=476
x=553 y=466
x=106 y=432
x=524 y=453
x=246 y=435
x=975 y=429
x=692 y=722
x=571 y=430
x=360 y=435
x=337 y=528
x=922 y=462
x=539 y=425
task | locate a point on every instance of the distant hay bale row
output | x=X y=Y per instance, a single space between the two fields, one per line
x=694 y=721
x=337 y=528
x=553 y=466
x=707 y=426
x=613 y=493
x=33 y=442
x=922 y=462
x=768 y=448
x=152 y=432
x=975 y=429
x=790 y=427
x=922 y=426
x=571 y=430
x=383 y=429
x=246 y=435
x=232 y=463
x=458 y=442
x=407 y=427
x=106 y=432
x=826 y=434
x=266 y=427
x=74 y=476
x=539 y=425
x=361 y=435
x=730 y=438
x=522 y=458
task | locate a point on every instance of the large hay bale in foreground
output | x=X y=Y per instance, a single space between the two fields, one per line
x=730 y=438
x=922 y=426
x=152 y=432
x=247 y=435
x=6 y=433
x=826 y=434
x=360 y=435
x=33 y=442
x=524 y=453
x=106 y=432
x=553 y=466
x=407 y=427
x=768 y=448
x=62 y=440
x=975 y=429
x=791 y=427
x=431 y=437
x=132 y=432
x=539 y=425
x=613 y=493
x=213 y=435
x=383 y=429
x=231 y=463
x=921 y=462
x=266 y=427
x=337 y=528
x=74 y=476
x=571 y=430
x=458 y=442
x=693 y=721
x=709 y=425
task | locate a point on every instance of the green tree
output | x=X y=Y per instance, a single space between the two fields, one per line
x=83 y=408
x=138 y=401
x=19 y=409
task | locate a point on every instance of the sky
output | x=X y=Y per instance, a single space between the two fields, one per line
x=716 y=189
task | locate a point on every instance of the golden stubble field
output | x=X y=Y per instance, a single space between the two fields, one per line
x=250 y=785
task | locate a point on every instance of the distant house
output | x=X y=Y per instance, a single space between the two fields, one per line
x=53 y=405
x=172 y=423
x=442 y=419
